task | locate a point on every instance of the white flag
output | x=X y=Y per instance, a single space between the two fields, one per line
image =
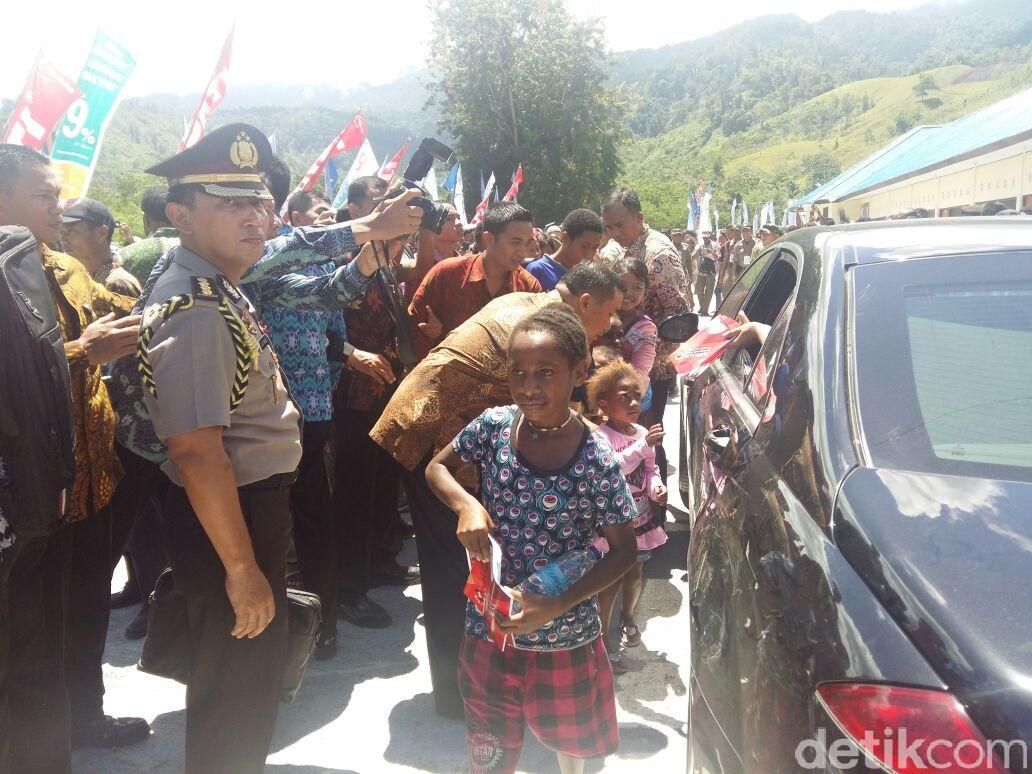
x=458 y=199
x=365 y=164
x=705 y=219
x=429 y=184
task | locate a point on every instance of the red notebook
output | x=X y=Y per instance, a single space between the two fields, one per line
x=704 y=347
x=488 y=595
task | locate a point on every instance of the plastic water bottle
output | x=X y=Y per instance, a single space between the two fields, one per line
x=554 y=579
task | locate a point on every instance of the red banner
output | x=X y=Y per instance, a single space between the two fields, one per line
x=390 y=167
x=514 y=189
x=46 y=97
x=210 y=99
x=348 y=139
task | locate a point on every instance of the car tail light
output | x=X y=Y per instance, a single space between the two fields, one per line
x=909 y=729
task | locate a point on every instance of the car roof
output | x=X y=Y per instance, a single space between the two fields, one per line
x=893 y=240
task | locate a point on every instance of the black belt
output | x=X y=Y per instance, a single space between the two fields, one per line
x=279 y=481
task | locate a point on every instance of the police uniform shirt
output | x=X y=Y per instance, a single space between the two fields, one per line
x=195 y=362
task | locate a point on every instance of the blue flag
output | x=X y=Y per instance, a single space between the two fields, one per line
x=332 y=176
x=449 y=184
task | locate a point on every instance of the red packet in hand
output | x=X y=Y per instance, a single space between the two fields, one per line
x=487 y=594
x=704 y=347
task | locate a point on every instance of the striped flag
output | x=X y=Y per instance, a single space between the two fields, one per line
x=482 y=207
x=390 y=168
x=514 y=189
x=351 y=137
x=210 y=99
x=365 y=164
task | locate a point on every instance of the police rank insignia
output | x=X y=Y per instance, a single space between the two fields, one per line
x=227 y=287
x=203 y=288
x=242 y=152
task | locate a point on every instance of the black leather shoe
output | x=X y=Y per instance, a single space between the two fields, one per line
x=395 y=574
x=129 y=595
x=325 y=647
x=365 y=613
x=137 y=628
x=109 y=732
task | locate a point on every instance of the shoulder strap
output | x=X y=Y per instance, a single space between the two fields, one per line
x=204 y=289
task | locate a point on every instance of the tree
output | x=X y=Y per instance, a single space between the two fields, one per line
x=925 y=84
x=523 y=82
x=817 y=169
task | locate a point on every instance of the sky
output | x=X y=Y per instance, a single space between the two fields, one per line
x=346 y=43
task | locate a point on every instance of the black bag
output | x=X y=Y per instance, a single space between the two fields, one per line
x=305 y=612
x=36 y=431
x=166 y=651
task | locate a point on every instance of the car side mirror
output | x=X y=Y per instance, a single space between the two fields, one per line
x=679 y=328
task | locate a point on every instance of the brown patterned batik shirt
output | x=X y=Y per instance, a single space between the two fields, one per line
x=460 y=378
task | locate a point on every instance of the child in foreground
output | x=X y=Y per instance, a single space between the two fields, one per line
x=548 y=485
x=617 y=389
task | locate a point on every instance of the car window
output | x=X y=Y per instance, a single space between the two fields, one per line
x=734 y=300
x=772 y=295
x=943 y=364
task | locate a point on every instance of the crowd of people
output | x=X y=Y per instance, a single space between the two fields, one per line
x=257 y=400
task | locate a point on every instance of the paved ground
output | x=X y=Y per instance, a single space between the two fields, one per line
x=370 y=711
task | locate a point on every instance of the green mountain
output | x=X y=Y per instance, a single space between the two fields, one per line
x=767 y=109
x=789 y=154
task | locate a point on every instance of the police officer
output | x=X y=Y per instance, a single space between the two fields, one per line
x=219 y=401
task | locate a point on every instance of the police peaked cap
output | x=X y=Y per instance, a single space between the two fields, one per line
x=228 y=162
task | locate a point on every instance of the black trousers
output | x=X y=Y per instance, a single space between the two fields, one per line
x=233 y=692
x=314 y=523
x=365 y=500
x=97 y=544
x=146 y=551
x=92 y=558
x=444 y=570
x=136 y=504
x=33 y=603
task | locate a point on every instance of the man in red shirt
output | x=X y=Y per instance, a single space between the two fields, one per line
x=457 y=288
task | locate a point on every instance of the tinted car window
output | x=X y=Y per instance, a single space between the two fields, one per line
x=734 y=300
x=943 y=367
x=773 y=295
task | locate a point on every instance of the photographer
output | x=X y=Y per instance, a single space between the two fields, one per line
x=366 y=479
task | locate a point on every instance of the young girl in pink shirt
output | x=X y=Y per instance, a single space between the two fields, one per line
x=617 y=390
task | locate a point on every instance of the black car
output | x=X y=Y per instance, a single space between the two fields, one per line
x=860 y=488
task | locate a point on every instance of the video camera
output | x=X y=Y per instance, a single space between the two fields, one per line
x=434 y=213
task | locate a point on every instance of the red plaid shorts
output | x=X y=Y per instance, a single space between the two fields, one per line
x=565 y=696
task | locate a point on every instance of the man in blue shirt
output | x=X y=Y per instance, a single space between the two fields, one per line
x=581 y=236
x=300 y=338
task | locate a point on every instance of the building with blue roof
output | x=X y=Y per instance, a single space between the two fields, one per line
x=952 y=169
